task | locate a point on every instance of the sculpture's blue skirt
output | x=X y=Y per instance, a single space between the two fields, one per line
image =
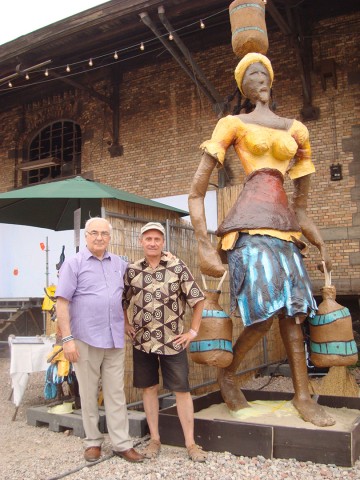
x=268 y=277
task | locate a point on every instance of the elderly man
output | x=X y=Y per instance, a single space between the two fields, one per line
x=91 y=321
x=160 y=287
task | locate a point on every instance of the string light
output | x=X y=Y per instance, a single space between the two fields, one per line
x=116 y=54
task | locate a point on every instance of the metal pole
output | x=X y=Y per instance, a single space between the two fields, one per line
x=168 y=241
x=47 y=261
x=149 y=23
x=217 y=99
x=265 y=349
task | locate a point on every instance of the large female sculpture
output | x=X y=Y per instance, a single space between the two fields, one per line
x=261 y=233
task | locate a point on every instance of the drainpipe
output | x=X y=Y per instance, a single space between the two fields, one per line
x=149 y=23
x=216 y=99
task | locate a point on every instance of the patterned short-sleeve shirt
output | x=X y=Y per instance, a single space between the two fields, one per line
x=159 y=301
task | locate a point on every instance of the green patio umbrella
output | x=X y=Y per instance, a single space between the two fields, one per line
x=52 y=205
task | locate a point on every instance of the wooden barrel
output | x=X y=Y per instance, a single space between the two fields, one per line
x=213 y=345
x=331 y=335
x=248 y=27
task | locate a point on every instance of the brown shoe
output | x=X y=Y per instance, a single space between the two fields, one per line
x=92 y=454
x=152 y=449
x=196 y=453
x=131 y=455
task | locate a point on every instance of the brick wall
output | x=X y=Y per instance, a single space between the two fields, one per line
x=164 y=119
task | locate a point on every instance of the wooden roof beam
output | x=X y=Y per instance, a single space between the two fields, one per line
x=278 y=18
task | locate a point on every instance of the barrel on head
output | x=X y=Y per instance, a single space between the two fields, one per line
x=213 y=345
x=331 y=335
x=248 y=27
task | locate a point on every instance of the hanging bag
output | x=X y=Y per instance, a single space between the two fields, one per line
x=213 y=344
x=331 y=335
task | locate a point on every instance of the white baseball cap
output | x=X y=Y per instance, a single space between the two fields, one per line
x=153 y=226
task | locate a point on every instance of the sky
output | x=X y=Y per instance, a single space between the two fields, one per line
x=22 y=261
x=25 y=263
x=19 y=17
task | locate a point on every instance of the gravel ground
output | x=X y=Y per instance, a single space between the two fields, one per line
x=35 y=453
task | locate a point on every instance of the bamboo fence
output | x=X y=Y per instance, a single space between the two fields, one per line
x=127 y=220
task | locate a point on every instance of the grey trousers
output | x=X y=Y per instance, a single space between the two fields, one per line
x=109 y=364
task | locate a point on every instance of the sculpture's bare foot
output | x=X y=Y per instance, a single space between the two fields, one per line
x=311 y=412
x=209 y=260
x=230 y=391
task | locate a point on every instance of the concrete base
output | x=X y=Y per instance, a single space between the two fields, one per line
x=39 y=416
x=271 y=441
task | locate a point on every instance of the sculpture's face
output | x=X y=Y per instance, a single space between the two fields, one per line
x=256 y=83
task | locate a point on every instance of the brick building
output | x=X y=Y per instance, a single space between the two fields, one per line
x=135 y=122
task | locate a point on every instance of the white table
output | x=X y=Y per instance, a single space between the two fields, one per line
x=28 y=355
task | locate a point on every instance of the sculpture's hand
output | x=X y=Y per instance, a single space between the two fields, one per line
x=209 y=260
x=325 y=258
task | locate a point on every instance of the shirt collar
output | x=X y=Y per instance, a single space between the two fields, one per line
x=163 y=261
x=87 y=254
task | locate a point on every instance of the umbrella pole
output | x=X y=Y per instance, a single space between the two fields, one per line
x=47 y=262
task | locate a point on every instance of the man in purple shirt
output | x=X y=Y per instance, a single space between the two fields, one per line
x=91 y=320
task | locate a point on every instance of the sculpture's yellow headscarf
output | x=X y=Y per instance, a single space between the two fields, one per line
x=248 y=60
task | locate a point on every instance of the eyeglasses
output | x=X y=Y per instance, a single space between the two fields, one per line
x=95 y=234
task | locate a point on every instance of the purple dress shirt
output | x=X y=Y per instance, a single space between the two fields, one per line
x=94 y=289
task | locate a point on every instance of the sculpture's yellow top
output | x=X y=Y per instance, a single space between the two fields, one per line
x=287 y=151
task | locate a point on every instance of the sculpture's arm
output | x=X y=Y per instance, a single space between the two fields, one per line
x=308 y=227
x=209 y=259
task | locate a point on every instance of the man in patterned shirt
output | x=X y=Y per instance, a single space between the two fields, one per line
x=160 y=287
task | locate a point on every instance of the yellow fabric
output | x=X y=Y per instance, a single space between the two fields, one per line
x=63 y=365
x=59 y=356
x=47 y=302
x=63 y=368
x=228 y=241
x=248 y=60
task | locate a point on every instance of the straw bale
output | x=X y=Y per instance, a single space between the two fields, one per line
x=339 y=381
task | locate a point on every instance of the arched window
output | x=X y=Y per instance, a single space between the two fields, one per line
x=55 y=152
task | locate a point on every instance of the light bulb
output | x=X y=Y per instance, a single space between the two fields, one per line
x=202 y=24
x=27 y=76
x=142 y=46
x=46 y=73
x=116 y=56
x=90 y=62
x=67 y=68
x=171 y=36
x=10 y=84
